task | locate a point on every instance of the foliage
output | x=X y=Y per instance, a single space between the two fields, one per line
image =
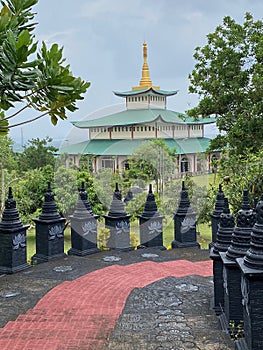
x=104 y=184
x=198 y=196
x=103 y=237
x=86 y=162
x=66 y=190
x=228 y=78
x=136 y=205
x=37 y=154
x=241 y=172
x=151 y=161
x=7 y=164
x=134 y=241
x=30 y=77
x=29 y=191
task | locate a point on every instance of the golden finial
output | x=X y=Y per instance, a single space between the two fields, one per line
x=145 y=81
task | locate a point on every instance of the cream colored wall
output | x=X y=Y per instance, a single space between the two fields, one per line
x=196 y=130
x=137 y=105
x=180 y=134
x=192 y=161
x=142 y=131
x=144 y=102
x=101 y=134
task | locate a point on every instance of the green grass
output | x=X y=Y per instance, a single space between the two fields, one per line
x=205 y=180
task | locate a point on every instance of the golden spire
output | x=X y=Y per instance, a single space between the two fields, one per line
x=145 y=81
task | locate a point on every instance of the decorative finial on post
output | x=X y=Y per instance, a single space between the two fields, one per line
x=254 y=256
x=215 y=215
x=246 y=219
x=117 y=206
x=145 y=81
x=225 y=230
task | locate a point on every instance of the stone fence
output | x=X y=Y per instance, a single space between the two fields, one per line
x=237 y=254
x=50 y=227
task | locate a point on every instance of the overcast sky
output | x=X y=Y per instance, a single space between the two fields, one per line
x=103 y=40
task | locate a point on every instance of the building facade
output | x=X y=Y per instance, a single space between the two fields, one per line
x=112 y=139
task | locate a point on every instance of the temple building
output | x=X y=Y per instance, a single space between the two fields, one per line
x=113 y=138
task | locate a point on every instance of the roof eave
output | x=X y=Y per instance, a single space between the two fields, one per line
x=143 y=91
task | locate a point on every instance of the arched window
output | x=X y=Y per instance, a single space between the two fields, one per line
x=184 y=165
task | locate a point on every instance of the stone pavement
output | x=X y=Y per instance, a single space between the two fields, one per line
x=144 y=299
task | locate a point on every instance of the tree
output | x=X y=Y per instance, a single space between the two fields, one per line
x=228 y=77
x=242 y=172
x=152 y=161
x=32 y=78
x=7 y=163
x=29 y=190
x=37 y=154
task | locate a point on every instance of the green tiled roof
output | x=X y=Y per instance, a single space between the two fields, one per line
x=140 y=116
x=76 y=148
x=139 y=92
x=188 y=145
x=127 y=147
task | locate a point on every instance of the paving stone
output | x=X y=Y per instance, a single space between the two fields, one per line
x=150 y=304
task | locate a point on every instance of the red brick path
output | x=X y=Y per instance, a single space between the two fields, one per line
x=81 y=314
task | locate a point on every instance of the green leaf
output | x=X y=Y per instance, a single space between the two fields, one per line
x=24 y=39
x=54 y=119
x=3 y=125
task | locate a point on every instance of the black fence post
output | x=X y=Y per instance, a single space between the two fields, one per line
x=83 y=227
x=223 y=240
x=252 y=287
x=50 y=228
x=13 y=257
x=184 y=223
x=240 y=243
x=151 y=224
x=118 y=222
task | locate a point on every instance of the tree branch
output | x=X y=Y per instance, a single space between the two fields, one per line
x=16 y=113
x=25 y=122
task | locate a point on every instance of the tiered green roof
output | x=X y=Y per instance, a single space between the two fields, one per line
x=141 y=116
x=127 y=147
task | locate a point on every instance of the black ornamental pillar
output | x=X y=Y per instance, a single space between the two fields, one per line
x=239 y=245
x=151 y=224
x=251 y=267
x=13 y=256
x=83 y=227
x=215 y=215
x=223 y=240
x=184 y=223
x=49 y=231
x=118 y=222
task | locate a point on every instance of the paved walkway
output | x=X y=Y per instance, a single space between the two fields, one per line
x=81 y=314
